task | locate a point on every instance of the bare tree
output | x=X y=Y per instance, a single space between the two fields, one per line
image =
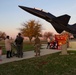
x=48 y=34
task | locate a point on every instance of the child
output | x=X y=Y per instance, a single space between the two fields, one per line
x=0 y=53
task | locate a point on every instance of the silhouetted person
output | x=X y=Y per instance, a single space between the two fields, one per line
x=19 y=45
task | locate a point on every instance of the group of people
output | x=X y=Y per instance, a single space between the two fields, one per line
x=52 y=43
x=8 y=46
x=18 y=42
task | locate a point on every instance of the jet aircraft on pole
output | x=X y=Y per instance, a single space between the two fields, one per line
x=59 y=23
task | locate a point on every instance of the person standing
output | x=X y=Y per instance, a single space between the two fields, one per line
x=0 y=53
x=48 y=43
x=19 y=45
x=8 y=47
x=37 y=46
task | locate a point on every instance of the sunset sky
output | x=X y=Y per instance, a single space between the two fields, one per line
x=12 y=17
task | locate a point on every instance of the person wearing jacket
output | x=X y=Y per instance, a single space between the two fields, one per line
x=8 y=47
x=19 y=45
x=37 y=46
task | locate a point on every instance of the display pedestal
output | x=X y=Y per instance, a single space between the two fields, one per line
x=64 y=49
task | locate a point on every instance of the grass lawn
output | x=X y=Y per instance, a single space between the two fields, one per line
x=27 y=46
x=53 y=64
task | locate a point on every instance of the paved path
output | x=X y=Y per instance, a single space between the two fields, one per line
x=28 y=54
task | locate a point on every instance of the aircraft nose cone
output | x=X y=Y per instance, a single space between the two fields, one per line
x=20 y=6
x=26 y=9
x=23 y=7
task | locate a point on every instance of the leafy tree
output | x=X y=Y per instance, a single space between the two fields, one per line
x=31 y=29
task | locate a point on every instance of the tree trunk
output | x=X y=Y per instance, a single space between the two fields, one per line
x=30 y=39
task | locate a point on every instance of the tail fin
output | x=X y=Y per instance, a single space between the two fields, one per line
x=59 y=22
x=72 y=27
x=64 y=19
